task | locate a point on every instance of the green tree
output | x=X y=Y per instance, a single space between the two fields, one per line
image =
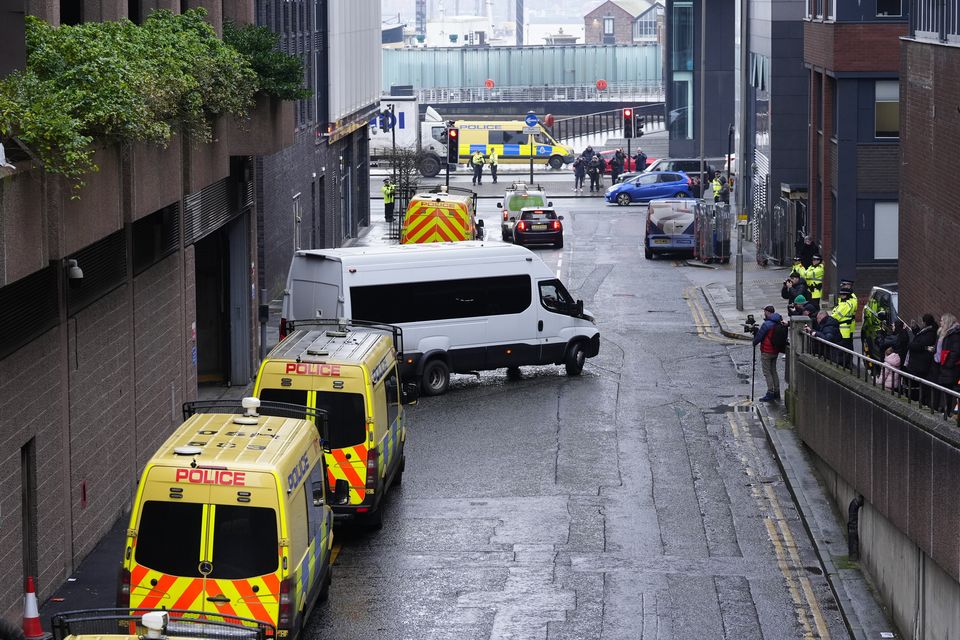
x=280 y=74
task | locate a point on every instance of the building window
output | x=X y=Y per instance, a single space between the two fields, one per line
x=890 y=8
x=888 y=109
x=645 y=27
x=608 y=26
x=886 y=230
x=681 y=37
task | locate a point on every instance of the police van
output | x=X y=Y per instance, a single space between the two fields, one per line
x=512 y=145
x=463 y=306
x=232 y=517
x=442 y=214
x=349 y=371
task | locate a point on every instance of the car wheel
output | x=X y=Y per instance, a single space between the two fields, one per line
x=623 y=199
x=429 y=166
x=559 y=244
x=506 y=237
x=681 y=194
x=576 y=357
x=436 y=378
x=647 y=253
x=556 y=163
x=513 y=373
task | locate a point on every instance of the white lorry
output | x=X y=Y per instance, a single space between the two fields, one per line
x=426 y=135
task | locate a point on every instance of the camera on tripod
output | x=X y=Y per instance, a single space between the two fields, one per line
x=750 y=325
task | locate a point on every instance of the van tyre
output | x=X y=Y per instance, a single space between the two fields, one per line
x=576 y=357
x=374 y=520
x=436 y=378
x=325 y=589
x=398 y=478
x=556 y=163
x=429 y=166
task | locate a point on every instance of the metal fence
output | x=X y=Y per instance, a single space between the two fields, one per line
x=642 y=91
x=610 y=121
x=935 y=20
x=925 y=395
x=712 y=225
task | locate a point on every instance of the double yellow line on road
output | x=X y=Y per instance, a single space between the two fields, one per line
x=807 y=607
x=701 y=323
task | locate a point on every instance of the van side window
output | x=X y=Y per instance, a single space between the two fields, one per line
x=168 y=537
x=555 y=297
x=318 y=481
x=495 y=137
x=347 y=418
x=393 y=396
x=244 y=542
x=441 y=299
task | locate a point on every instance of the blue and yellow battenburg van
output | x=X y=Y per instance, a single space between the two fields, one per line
x=512 y=145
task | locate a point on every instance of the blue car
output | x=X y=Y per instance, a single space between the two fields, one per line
x=650 y=185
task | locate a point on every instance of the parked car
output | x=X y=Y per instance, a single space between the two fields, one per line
x=650 y=185
x=879 y=315
x=691 y=166
x=538 y=226
x=629 y=164
x=518 y=196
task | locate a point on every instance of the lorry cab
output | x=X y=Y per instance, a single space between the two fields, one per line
x=349 y=371
x=442 y=215
x=232 y=517
x=512 y=145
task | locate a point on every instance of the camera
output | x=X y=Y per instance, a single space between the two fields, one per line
x=750 y=325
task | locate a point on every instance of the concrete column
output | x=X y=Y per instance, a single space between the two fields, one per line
x=46 y=10
x=149 y=6
x=103 y=10
x=239 y=11
x=214 y=12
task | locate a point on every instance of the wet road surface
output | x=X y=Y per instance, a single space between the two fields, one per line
x=637 y=501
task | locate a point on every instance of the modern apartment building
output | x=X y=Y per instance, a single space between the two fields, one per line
x=852 y=54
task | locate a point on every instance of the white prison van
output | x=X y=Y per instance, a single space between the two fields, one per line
x=462 y=306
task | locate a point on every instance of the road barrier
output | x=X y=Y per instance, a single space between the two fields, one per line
x=712 y=225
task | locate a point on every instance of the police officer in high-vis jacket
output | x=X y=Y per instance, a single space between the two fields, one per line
x=813 y=275
x=846 y=313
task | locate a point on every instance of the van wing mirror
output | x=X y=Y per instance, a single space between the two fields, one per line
x=409 y=393
x=559 y=217
x=549 y=204
x=317 y=494
x=341 y=492
x=579 y=307
x=499 y=205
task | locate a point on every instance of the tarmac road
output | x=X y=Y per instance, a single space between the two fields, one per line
x=637 y=501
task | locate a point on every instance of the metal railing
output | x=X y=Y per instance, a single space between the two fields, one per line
x=181 y=624
x=927 y=396
x=610 y=121
x=634 y=91
x=935 y=20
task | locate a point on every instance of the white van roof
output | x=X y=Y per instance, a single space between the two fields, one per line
x=441 y=253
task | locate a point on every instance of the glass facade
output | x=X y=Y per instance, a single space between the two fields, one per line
x=682 y=35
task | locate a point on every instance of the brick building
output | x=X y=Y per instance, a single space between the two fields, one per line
x=930 y=136
x=624 y=22
x=852 y=52
x=93 y=371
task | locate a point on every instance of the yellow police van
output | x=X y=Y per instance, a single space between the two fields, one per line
x=155 y=624
x=512 y=145
x=442 y=214
x=232 y=517
x=347 y=369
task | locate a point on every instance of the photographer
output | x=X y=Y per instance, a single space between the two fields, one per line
x=794 y=286
x=827 y=328
x=772 y=338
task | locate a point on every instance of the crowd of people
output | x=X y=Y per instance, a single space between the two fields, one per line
x=926 y=348
x=590 y=164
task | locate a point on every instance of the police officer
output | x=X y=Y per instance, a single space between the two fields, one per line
x=389 y=197
x=492 y=159
x=477 y=161
x=813 y=275
x=717 y=188
x=846 y=313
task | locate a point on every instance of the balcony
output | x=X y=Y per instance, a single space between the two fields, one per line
x=935 y=21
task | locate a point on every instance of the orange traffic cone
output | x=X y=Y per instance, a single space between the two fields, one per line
x=31 y=616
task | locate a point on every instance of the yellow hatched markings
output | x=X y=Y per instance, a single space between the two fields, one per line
x=704 y=327
x=781 y=536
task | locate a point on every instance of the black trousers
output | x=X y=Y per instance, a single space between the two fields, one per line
x=493 y=173
x=388 y=211
x=477 y=173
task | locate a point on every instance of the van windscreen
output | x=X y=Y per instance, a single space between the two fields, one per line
x=168 y=538
x=347 y=419
x=515 y=203
x=245 y=542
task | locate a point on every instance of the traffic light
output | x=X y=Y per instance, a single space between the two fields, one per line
x=628 y=123
x=453 y=145
x=638 y=127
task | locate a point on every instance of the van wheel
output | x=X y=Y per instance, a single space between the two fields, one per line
x=325 y=590
x=576 y=357
x=398 y=478
x=513 y=373
x=429 y=166
x=374 y=520
x=436 y=378
x=556 y=163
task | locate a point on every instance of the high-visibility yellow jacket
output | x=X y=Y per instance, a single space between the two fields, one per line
x=846 y=314
x=814 y=277
x=388 y=193
x=493 y=158
x=477 y=159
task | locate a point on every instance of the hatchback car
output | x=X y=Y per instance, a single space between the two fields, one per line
x=650 y=185
x=538 y=226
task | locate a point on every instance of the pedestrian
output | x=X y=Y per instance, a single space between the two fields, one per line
x=717 y=187
x=806 y=249
x=772 y=340
x=588 y=154
x=579 y=173
x=919 y=360
x=888 y=378
x=616 y=166
x=640 y=161
x=389 y=191
x=476 y=160
x=813 y=276
x=827 y=328
x=947 y=355
x=898 y=339
x=603 y=170
x=794 y=286
x=593 y=170
x=493 y=158
x=803 y=307
x=846 y=314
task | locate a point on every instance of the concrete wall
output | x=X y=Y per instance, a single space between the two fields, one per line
x=904 y=463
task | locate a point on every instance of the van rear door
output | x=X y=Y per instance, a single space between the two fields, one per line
x=348 y=439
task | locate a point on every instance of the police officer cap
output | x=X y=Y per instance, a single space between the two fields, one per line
x=817 y=258
x=846 y=286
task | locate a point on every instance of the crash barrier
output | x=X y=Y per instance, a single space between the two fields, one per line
x=182 y=624
x=923 y=394
x=712 y=225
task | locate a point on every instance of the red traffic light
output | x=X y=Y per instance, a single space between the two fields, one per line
x=628 y=113
x=453 y=133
